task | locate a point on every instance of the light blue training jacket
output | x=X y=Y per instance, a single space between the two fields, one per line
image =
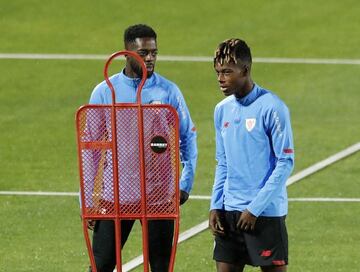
x=157 y=90
x=254 y=153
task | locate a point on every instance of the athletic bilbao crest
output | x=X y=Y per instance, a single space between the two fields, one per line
x=250 y=124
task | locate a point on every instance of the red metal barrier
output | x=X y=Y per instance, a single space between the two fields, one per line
x=129 y=164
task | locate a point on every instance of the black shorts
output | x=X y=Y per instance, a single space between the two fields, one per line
x=267 y=245
x=160 y=243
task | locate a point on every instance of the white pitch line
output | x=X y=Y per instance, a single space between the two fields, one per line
x=324 y=163
x=52 y=56
x=204 y=225
x=42 y=193
x=132 y=264
x=301 y=199
x=195 y=197
x=177 y=58
x=27 y=193
x=302 y=174
x=200 y=197
x=323 y=199
x=182 y=237
x=307 y=61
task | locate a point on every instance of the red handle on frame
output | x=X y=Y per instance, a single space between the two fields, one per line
x=143 y=68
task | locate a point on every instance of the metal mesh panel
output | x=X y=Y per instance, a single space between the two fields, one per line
x=94 y=128
x=128 y=160
x=96 y=160
x=160 y=168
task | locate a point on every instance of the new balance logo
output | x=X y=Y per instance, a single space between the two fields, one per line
x=266 y=253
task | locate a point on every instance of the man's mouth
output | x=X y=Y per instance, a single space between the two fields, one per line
x=149 y=67
x=223 y=88
x=226 y=91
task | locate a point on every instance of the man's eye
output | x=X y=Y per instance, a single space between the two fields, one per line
x=223 y=73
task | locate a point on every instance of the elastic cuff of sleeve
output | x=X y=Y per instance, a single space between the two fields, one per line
x=185 y=187
x=253 y=212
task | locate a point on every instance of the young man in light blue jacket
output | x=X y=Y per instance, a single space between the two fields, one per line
x=142 y=39
x=255 y=156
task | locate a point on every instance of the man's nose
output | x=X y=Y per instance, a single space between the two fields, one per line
x=220 y=77
x=149 y=57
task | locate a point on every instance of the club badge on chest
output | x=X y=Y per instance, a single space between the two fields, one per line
x=250 y=124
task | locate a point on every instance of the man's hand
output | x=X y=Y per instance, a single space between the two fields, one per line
x=246 y=221
x=215 y=224
x=183 y=197
x=91 y=224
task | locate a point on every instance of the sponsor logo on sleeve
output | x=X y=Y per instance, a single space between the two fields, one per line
x=182 y=112
x=277 y=123
x=288 y=150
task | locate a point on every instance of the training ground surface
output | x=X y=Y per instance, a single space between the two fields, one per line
x=39 y=97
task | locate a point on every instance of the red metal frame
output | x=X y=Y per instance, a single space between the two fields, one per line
x=106 y=144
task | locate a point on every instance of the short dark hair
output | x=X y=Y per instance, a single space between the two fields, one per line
x=138 y=31
x=232 y=50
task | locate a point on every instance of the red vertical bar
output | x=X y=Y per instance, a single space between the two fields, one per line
x=116 y=188
x=114 y=149
x=174 y=247
x=80 y=159
x=118 y=242
x=144 y=219
x=82 y=190
x=88 y=245
x=177 y=196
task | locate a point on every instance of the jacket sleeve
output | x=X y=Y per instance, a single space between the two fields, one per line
x=92 y=128
x=277 y=123
x=188 y=146
x=217 y=197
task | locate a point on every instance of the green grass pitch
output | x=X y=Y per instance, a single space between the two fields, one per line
x=38 y=100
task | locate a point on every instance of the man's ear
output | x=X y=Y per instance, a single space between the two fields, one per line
x=246 y=69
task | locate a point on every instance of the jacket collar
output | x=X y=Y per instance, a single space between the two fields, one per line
x=136 y=81
x=250 y=97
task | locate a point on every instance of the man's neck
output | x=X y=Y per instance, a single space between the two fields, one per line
x=130 y=73
x=249 y=85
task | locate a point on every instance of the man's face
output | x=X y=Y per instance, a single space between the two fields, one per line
x=147 y=49
x=231 y=78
